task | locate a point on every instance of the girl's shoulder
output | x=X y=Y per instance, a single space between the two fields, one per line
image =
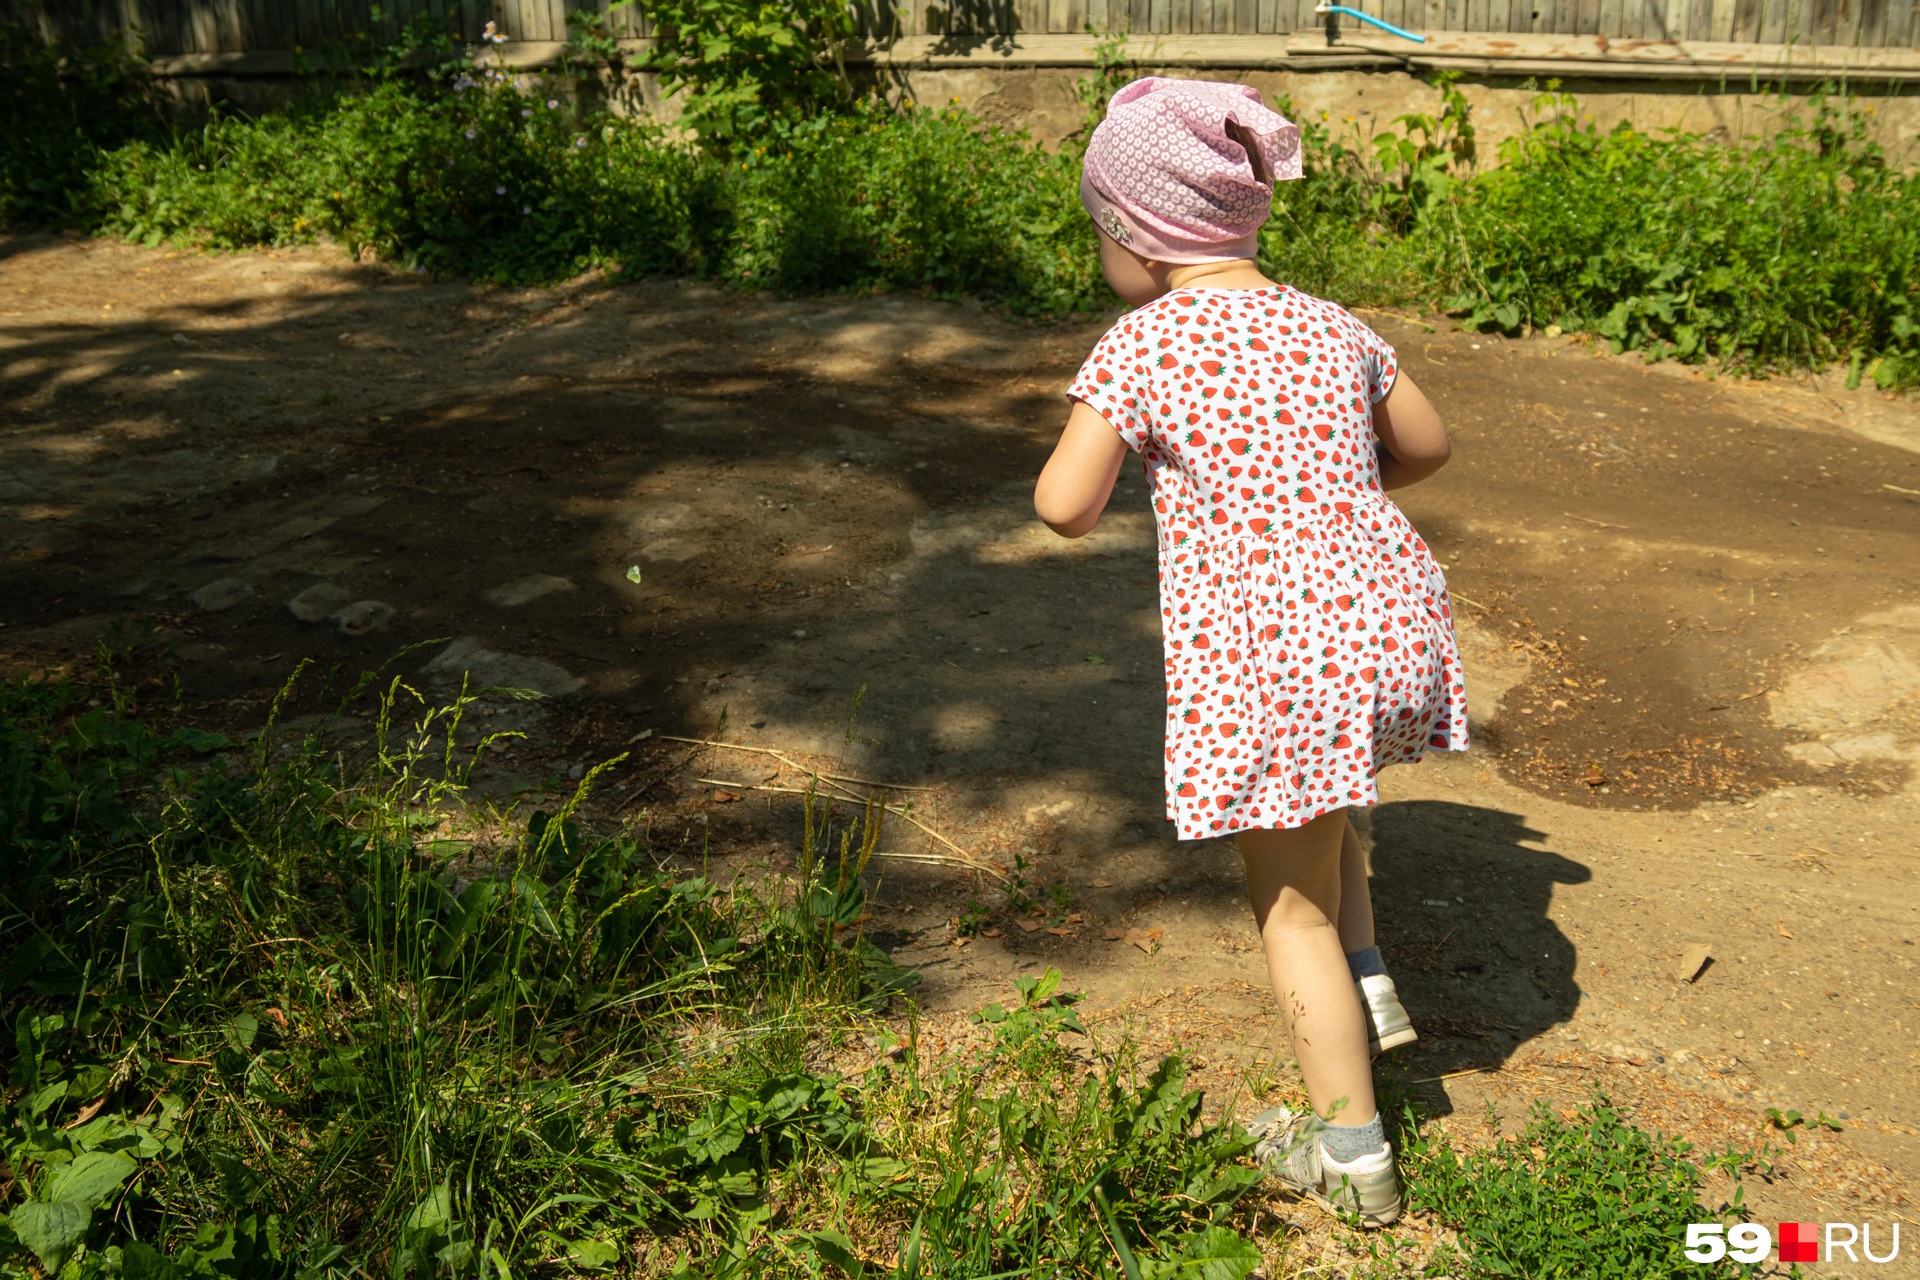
x=1195 y=316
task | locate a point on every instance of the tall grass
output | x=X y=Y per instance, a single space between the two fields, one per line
x=277 y=1013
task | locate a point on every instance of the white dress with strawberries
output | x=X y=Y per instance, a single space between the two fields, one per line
x=1309 y=640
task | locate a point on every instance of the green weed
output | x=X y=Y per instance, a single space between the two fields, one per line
x=1794 y=250
x=1799 y=249
x=276 y=1013
x=1589 y=1195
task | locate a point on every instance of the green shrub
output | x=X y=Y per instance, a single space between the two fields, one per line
x=58 y=112
x=1590 y=1197
x=1796 y=250
x=928 y=200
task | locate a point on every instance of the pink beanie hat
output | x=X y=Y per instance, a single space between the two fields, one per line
x=1169 y=173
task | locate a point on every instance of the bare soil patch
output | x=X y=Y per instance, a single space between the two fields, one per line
x=1689 y=611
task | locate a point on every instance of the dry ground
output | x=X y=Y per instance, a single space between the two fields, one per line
x=1691 y=611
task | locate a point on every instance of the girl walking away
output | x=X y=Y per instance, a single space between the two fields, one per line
x=1309 y=641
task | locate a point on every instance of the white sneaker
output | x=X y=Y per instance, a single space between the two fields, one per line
x=1286 y=1144
x=1388 y=1026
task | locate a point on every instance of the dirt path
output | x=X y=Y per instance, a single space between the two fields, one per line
x=1691 y=614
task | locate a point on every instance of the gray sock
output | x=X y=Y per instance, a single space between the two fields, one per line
x=1364 y=964
x=1347 y=1143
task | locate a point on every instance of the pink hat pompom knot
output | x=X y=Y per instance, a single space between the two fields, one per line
x=1183 y=170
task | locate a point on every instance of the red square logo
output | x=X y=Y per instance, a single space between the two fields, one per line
x=1799 y=1242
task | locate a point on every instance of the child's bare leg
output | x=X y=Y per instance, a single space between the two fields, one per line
x=1294 y=883
x=1356 y=899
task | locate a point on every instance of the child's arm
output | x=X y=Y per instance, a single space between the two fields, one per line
x=1412 y=437
x=1078 y=479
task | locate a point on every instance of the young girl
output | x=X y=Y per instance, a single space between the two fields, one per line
x=1308 y=636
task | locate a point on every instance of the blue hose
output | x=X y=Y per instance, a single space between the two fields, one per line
x=1384 y=26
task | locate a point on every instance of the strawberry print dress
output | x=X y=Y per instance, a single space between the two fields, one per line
x=1309 y=639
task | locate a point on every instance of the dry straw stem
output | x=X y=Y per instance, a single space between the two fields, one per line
x=837 y=781
x=797 y=768
x=964 y=860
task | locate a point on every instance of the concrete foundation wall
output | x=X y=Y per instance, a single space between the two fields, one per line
x=1358 y=103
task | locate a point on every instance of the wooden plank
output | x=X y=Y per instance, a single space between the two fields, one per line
x=206 y=28
x=1746 y=22
x=1609 y=16
x=162 y=26
x=1903 y=25
x=1475 y=16
x=557 y=18
x=235 y=26
x=244 y=27
x=1847 y=15
x=254 y=33
x=1520 y=15
x=1639 y=21
x=1873 y=23
x=1139 y=17
x=307 y=24
x=1801 y=17
x=1773 y=22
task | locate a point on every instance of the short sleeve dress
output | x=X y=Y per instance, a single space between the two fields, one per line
x=1309 y=639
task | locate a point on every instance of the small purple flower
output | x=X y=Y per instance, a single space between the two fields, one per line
x=499 y=191
x=579 y=142
x=525 y=112
x=553 y=104
x=469 y=133
x=526 y=209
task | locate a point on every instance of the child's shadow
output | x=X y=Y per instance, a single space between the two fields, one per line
x=1461 y=910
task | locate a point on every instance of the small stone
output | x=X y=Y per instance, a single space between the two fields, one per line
x=528 y=589
x=318 y=602
x=671 y=551
x=577 y=772
x=222 y=593
x=799 y=635
x=1692 y=961
x=468 y=660
x=362 y=616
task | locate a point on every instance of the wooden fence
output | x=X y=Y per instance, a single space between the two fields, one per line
x=175 y=27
